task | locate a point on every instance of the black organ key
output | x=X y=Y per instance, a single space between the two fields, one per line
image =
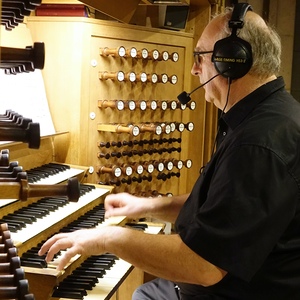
x=96 y=265
x=68 y=294
x=92 y=280
x=86 y=283
x=34 y=263
x=97 y=272
x=68 y=284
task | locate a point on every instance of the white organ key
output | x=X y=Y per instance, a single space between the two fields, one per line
x=5 y=202
x=54 y=217
x=109 y=282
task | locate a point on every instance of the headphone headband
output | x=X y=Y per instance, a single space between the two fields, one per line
x=238 y=15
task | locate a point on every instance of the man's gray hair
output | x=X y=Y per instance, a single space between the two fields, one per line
x=265 y=43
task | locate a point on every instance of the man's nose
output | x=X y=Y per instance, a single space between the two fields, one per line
x=196 y=69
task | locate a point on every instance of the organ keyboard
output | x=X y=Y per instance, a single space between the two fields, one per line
x=33 y=221
x=52 y=173
x=105 y=286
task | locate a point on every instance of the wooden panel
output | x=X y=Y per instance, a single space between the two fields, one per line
x=134 y=280
x=73 y=87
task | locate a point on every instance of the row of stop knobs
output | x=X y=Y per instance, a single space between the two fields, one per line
x=145 y=104
x=138 y=142
x=136 y=129
x=140 y=179
x=140 y=77
x=144 y=53
x=148 y=166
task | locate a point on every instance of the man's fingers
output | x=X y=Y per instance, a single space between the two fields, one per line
x=54 y=245
x=67 y=256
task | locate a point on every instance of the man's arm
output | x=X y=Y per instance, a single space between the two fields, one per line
x=164 y=256
x=124 y=204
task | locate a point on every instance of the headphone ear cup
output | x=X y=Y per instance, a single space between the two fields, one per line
x=232 y=57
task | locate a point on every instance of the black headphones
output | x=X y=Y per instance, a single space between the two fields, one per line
x=232 y=56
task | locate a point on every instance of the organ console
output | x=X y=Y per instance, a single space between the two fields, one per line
x=33 y=221
x=47 y=209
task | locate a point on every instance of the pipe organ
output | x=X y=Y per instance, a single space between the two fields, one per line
x=112 y=93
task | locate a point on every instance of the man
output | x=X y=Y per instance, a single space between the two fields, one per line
x=238 y=231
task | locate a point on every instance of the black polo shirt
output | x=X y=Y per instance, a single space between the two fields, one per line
x=243 y=214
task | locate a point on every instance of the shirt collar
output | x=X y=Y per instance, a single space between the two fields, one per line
x=242 y=108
